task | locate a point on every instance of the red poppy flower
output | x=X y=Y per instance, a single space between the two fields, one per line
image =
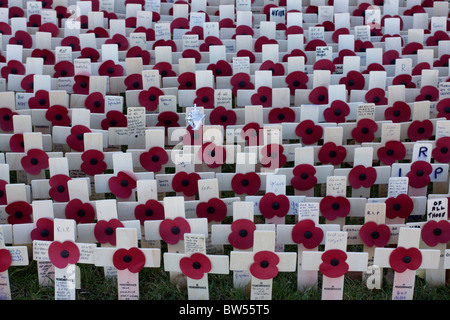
x=402 y=259
x=324 y=64
x=334 y=263
x=312 y=9
x=429 y=93
x=81 y=85
x=262 y=40
x=19 y=212
x=377 y=96
x=263 y=97
x=304 y=177
x=133 y=82
x=343 y=53
x=172 y=231
x=441 y=151
x=365 y=130
x=241 y=81
x=443 y=108
x=110 y=69
x=434 y=232
x=93 y=162
x=40 y=100
x=79 y=211
x=58 y=115
x=114 y=118
x=362 y=46
x=360 y=11
x=338 y=32
x=391 y=152
x=243 y=30
x=198 y=30
x=252 y=134
x=16 y=143
x=15 y=12
x=64 y=253
x=105 y=231
x=296 y=80
x=336 y=112
x=187 y=183
x=99 y=32
x=150 y=98
x=374 y=67
x=22 y=38
x=386 y=16
x=154 y=159
x=280 y=115
x=164 y=69
x=45 y=54
x=331 y=153
x=390 y=56
x=272 y=156
x=241 y=236
x=95 y=102
x=90 y=53
x=361 y=176
x=6 y=119
x=220 y=69
x=334 y=207
x=312 y=44
x=272 y=205
x=130 y=22
x=383 y=39
x=150 y=210
x=276 y=68
x=137 y=52
x=71 y=41
x=122 y=185
x=59 y=191
x=35 y=161
x=248 y=183
x=295 y=53
x=168 y=119
x=149 y=32
x=417 y=70
x=442 y=62
x=413 y=10
x=192 y=53
x=420 y=130
x=213 y=155
x=419 y=174
x=5 y=259
x=3 y=184
x=373 y=234
x=400 y=206
x=319 y=95
x=309 y=132
x=63 y=69
x=187 y=81
x=222 y=116
x=132 y=259
x=193 y=137
x=43 y=230
x=27 y=83
x=305 y=232
x=399 y=112
x=411 y=48
x=12 y=67
x=195 y=266
x=76 y=138
x=264 y=265
x=179 y=23
x=214 y=210
x=204 y=97
x=5 y=28
x=293 y=30
x=353 y=81
x=209 y=41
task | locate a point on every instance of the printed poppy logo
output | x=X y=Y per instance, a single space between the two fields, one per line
x=276 y=68
x=6 y=119
x=373 y=67
x=186 y=183
x=150 y=98
x=252 y=134
x=295 y=53
x=264 y=266
x=330 y=153
x=402 y=259
x=168 y=119
x=105 y=231
x=362 y=46
x=81 y=212
x=334 y=263
x=35 y=161
x=195 y=266
x=75 y=139
x=296 y=80
x=313 y=44
x=212 y=155
x=373 y=234
x=419 y=174
x=262 y=40
x=19 y=212
x=122 y=185
x=400 y=206
x=442 y=61
x=376 y=96
x=399 y=112
x=62 y=254
x=81 y=84
x=336 y=112
x=364 y=131
x=246 y=183
x=429 y=93
x=272 y=156
x=304 y=177
x=319 y=95
x=59 y=191
x=220 y=69
x=392 y=151
x=420 y=130
x=3 y=184
x=204 y=97
x=58 y=115
x=137 y=52
x=16 y=143
x=90 y=53
x=309 y=132
x=27 y=83
x=5 y=259
x=214 y=210
x=150 y=210
x=172 y=230
x=441 y=151
x=242 y=234
x=272 y=205
x=241 y=81
x=353 y=81
x=164 y=69
x=132 y=259
x=222 y=116
x=187 y=81
x=306 y=233
x=153 y=159
x=93 y=162
x=95 y=102
x=63 y=69
x=22 y=38
x=46 y=55
x=332 y=207
x=192 y=53
x=280 y=115
x=435 y=232
x=361 y=176
x=390 y=56
x=110 y=69
x=12 y=67
x=114 y=118
x=43 y=230
x=262 y=97
x=71 y=41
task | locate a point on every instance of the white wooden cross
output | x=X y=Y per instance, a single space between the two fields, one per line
x=334 y=263
x=129 y=259
x=195 y=264
x=405 y=260
x=264 y=264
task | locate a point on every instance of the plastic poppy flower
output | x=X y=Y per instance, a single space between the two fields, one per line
x=373 y=234
x=34 y=21
x=402 y=259
x=179 y=23
x=295 y=53
x=272 y=156
x=209 y=41
x=5 y=259
x=105 y=231
x=312 y=44
x=192 y=53
x=419 y=174
x=95 y=102
x=293 y=30
x=330 y=153
x=6 y=119
x=193 y=137
x=435 y=232
x=12 y=67
x=195 y=266
x=306 y=233
x=272 y=205
x=19 y=212
x=376 y=96
x=150 y=210
x=220 y=69
x=400 y=206
x=81 y=85
x=64 y=253
x=150 y=98
x=319 y=95
x=429 y=93
x=71 y=41
x=263 y=97
x=168 y=119
x=45 y=54
x=262 y=40
x=81 y=212
x=343 y=53
x=27 y=83
x=204 y=97
x=213 y=155
x=324 y=64
x=149 y=32
x=296 y=80
x=362 y=46
x=334 y=263
x=333 y=207
x=337 y=33
x=336 y=112
x=16 y=143
x=413 y=10
x=360 y=11
x=15 y=12
x=276 y=68
x=164 y=69
x=75 y=139
x=198 y=30
x=132 y=259
x=243 y=30
x=90 y=53
x=222 y=116
x=309 y=132
x=187 y=81
x=93 y=162
x=365 y=130
x=441 y=151
x=58 y=115
x=386 y=16
x=248 y=183
x=241 y=81
x=373 y=67
x=399 y=112
x=130 y=22
x=137 y=52
x=3 y=184
x=420 y=130
x=442 y=61
x=114 y=118
x=304 y=177
x=187 y=183
x=443 y=108
x=172 y=231
x=110 y=69
x=35 y=161
x=122 y=185
x=213 y=210
x=154 y=159
x=5 y=28
x=22 y=38
x=264 y=265
x=252 y=134
x=43 y=230
x=392 y=151
x=353 y=81
x=411 y=48
x=241 y=236
x=417 y=70
x=361 y=176
x=63 y=69
x=133 y=82
x=59 y=191
x=99 y=32
x=390 y=56
x=280 y=115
